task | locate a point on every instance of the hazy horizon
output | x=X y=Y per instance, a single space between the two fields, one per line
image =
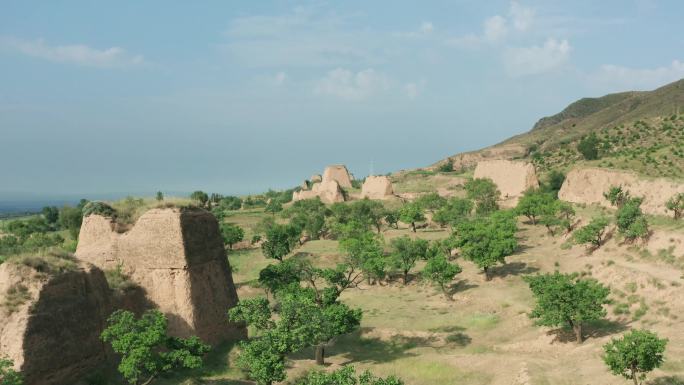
x=237 y=98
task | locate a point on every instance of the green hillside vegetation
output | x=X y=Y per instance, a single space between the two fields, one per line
x=637 y=131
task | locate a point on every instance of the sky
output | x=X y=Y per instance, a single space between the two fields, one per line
x=237 y=97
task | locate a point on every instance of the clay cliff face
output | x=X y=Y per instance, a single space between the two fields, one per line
x=377 y=187
x=588 y=185
x=177 y=257
x=53 y=336
x=512 y=178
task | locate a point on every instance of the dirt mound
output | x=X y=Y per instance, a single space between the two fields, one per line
x=328 y=191
x=512 y=178
x=339 y=174
x=377 y=187
x=178 y=258
x=47 y=316
x=315 y=178
x=587 y=185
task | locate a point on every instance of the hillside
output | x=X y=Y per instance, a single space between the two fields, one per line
x=639 y=131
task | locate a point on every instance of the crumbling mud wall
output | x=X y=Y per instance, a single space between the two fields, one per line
x=512 y=178
x=588 y=185
x=328 y=191
x=178 y=259
x=339 y=174
x=377 y=187
x=53 y=333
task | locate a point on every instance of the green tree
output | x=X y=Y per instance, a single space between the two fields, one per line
x=411 y=213
x=588 y=147
x=70 y=219
x=487 y=241
x=146 y=349
x=441 y=272
x=280 y=241
x=200 y=197
x=231 y=203
x=231 y=234
x=273 y=206
x=616 y=196
x=676 y=205
x=635 y=354
x=431 y=202
x=392 y=218
x=562 y=299
x=159 y=196
x=455 y=210
x=309 y=216
x=363 y=250
x=278 y=276
x=346 y=376
x=630 y=220
x=7 y=374
x=51 y=214
x=559 y=215
x=485 y=194
x=535 y=203
x=406 y=252
x=553 y=182
x=447 y=166
x=592 y=233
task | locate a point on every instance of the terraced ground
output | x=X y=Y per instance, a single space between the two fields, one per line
x=484 y=335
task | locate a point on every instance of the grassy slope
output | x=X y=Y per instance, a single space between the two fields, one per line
x=484 y=336
x=637 y=128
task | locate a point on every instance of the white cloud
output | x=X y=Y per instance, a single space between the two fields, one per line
x=521 y=61
x=280 y=78
x=78 y=54
x=495 y=28
x=522 y=17
x=345 y=84
x=427 y=27
x=619 y=77
x=413 y=90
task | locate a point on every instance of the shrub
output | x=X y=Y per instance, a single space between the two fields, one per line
x=99 y=208
x=676 y=205
x=635 y=354
x=588 y=147
x=631 y=221
x=592 y=233
x=447 y=166
x=16 y=295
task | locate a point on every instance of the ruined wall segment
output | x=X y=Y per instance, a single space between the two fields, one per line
x=587 y=185
x=177 y=257
x=512 y=178
x=53 y=337
x=339 y=174
x=377 y=187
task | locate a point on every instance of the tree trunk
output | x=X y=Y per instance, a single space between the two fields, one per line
x=320 y=354
x=446 y=293
x=405 y=276
x=149 y=380
x=577 y=327
x=487 y=277
x=534 y=220
x=413 y=226
x=634 y=374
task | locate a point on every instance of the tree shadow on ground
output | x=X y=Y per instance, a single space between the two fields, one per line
x=456 y=336
x=594 y=329
x=512 y=268
x=216 y=363
x=460 y=286
x=359 y=349
x=668 y=380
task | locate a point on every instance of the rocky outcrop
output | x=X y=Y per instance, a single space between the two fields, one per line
x=177 y=257
x=339 y=174
x=50 y=324
x=316 y=178
x=377 y=187
x=587 y=185
x=512 y=178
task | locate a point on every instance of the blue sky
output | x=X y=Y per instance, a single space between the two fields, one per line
x=237 y=97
